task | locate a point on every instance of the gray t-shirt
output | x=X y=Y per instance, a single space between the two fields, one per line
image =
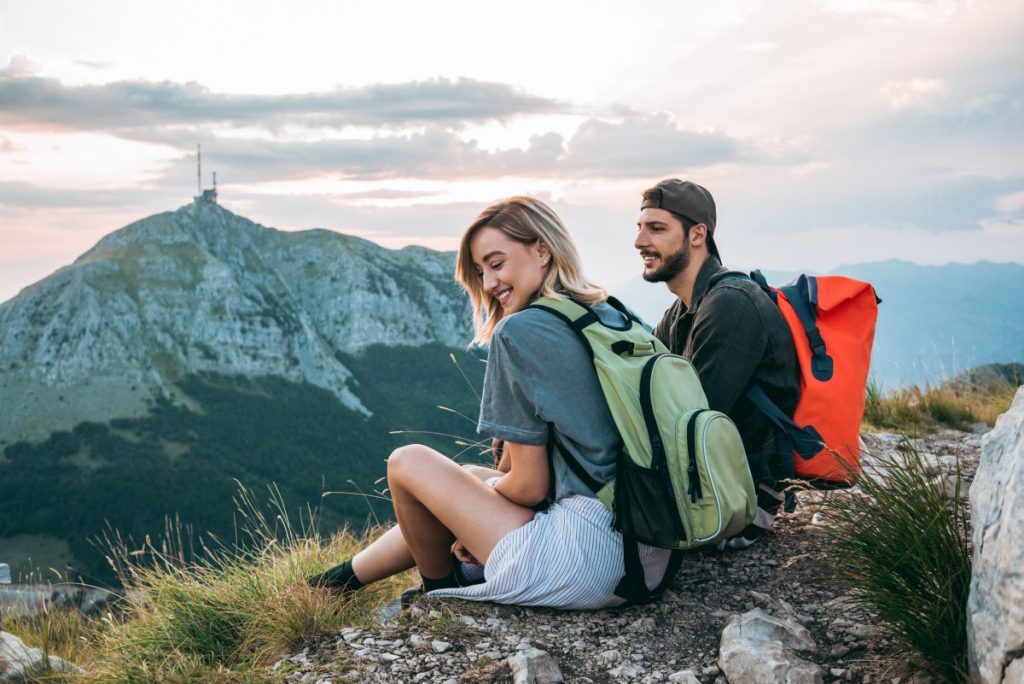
x=539 y=375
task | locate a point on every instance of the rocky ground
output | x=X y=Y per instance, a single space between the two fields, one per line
x=680 y=639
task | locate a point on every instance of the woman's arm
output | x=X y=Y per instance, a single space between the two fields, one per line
x=528 y=479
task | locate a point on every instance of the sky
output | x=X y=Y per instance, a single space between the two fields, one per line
x=829 y=131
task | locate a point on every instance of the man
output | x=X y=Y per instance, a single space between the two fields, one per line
x=727 y=327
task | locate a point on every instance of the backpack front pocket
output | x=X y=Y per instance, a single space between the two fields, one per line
x=645 y=506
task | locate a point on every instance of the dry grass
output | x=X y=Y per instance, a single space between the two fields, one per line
x=225 y=618
x=915 y=411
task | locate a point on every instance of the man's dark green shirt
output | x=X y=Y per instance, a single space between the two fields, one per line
x=735 y=336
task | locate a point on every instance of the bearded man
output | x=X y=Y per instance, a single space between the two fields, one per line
x=728 y=328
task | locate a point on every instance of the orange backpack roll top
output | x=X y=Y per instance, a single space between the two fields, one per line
x=832 y=320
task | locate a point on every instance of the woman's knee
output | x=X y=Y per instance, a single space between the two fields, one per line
x=405 y=460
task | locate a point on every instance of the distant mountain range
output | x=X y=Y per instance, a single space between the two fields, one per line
x=934 y=321
x=194 y=350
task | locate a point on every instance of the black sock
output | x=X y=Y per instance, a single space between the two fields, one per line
x=339 y=577
x=447 y=582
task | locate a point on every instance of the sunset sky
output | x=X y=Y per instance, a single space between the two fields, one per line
x=829 y=131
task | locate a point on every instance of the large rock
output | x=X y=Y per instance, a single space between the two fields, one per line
x=19 y=662
x=760 y=648
x=995 y=609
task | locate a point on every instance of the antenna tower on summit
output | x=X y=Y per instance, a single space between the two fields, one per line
x=207 y=196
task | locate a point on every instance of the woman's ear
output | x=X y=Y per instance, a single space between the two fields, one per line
x=543 y=252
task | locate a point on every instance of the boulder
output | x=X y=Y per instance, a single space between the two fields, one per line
x=758 y=647
x=995 y=608
x=19 y=662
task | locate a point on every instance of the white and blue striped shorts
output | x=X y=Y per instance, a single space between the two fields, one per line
x=568 y=556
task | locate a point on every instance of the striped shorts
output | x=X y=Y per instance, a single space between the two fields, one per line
x=568 y=556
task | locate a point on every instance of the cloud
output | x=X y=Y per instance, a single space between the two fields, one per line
x=924 y=11
x=141 y=104
x=19 y=195
x=644 y=146
x=89 y=64
x=639 y=146
x=902 y=94
x=19 y=67
x=1010 y=203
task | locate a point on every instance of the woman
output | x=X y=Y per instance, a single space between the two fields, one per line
x=540 y=388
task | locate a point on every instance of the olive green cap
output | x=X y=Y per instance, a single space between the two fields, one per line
x=691 y=201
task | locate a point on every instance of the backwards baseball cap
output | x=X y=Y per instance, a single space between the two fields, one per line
x=691 y=201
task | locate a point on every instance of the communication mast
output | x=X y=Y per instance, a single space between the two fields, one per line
x=207 y=196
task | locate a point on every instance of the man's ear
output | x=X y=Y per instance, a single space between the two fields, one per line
x=698 y=235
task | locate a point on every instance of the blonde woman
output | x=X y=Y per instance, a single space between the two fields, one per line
x=532 y=527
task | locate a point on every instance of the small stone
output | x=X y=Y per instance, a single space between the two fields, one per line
x=440 y=646
x=389 y=657
x=610 y=656
x=711 y=671
x=645 y=624
x=838 y=651
x=418 y=642
x=624 y=671
x=837 y=671
x=683 y=677
x=534 y=666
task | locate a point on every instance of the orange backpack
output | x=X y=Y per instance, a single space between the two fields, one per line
x=832 y=319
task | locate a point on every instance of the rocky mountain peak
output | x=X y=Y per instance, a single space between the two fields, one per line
x=202 y=289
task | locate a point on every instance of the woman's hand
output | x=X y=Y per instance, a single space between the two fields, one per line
x=463 y=555
x=501 y=460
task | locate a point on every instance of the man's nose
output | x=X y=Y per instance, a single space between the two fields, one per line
x=641 y=240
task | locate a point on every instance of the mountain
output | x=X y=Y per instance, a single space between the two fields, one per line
x=934 y=321
x=195 y=348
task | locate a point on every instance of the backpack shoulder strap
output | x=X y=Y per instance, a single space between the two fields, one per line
x=802 y=294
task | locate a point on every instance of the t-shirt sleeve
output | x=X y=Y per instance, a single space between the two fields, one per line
x=509 y=406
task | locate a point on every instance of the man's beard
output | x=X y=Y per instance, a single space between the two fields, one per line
x=673 y=265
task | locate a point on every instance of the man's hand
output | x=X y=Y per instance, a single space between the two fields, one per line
x=463 y=555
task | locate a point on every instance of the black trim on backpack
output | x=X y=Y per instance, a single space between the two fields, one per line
x=624 y=310
x=577 y=469
x=694 y=490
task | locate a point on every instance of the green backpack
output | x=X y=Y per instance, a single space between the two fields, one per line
x=682 y=479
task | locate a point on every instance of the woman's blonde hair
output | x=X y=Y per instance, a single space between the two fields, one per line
x=526 y=220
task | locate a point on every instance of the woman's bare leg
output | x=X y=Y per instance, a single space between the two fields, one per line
x=437 y=501
x=389 y=554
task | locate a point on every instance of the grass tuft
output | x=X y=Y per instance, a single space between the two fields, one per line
x=225 y=617
x=914 y=411
x=902 y=548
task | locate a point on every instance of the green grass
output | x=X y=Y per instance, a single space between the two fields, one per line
x=226 y=617
x=915 y=411
x=902 y=548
